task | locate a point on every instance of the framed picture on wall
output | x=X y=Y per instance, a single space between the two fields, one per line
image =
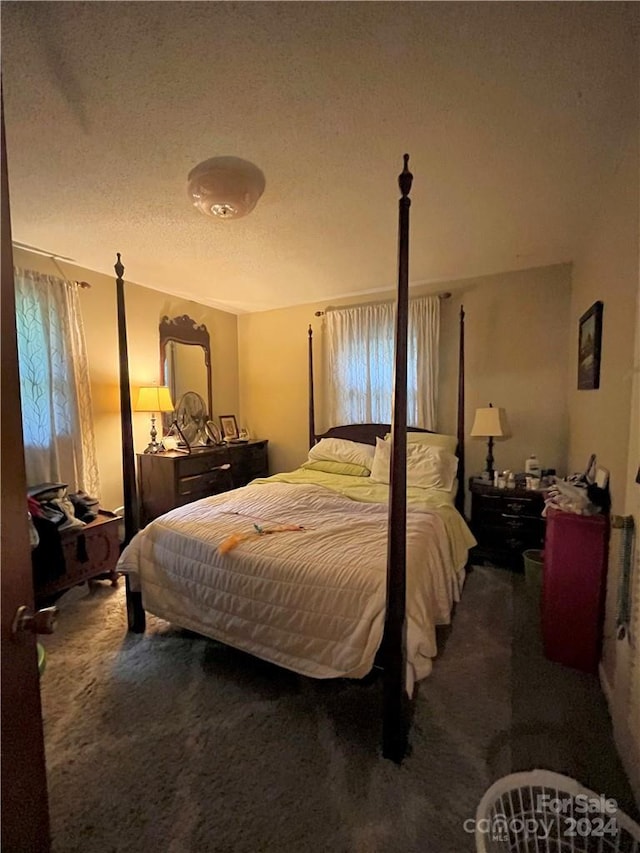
x=589 y=344
x=229 y=426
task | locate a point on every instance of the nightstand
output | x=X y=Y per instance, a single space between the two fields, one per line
x=505 y=523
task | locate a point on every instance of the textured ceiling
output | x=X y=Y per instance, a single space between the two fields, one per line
x=513 y=114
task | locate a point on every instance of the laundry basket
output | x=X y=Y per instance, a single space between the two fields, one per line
x=539 y=812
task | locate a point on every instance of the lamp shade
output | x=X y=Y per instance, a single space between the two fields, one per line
x=490 y=422
x=154 y=398
x=225 y=187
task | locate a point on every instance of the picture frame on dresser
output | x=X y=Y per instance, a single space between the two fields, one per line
x=589 y=348
x=229 y=426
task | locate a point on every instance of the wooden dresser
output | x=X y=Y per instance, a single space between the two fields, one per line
x=88 y=552
x=171 y=479
x=505 y=522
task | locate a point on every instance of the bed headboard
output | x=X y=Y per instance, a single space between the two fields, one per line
x=363 y=433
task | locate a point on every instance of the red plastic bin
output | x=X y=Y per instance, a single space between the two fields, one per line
x=574 y=582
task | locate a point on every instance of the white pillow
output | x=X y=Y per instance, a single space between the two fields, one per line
x=427 y=467
x=433 y=439
x=342 y=450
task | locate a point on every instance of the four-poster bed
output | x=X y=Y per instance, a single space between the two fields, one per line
x=350 y=576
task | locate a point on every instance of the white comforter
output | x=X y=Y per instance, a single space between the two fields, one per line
x=311 y=600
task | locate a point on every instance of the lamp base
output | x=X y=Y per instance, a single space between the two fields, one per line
x=490 y=469
x=153 y=447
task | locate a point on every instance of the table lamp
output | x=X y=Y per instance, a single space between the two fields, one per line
x=154 y=398
x=491 y=423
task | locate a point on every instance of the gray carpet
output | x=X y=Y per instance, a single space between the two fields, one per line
x=172 y=742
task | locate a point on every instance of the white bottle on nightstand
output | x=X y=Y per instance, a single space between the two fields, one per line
x=532 y=466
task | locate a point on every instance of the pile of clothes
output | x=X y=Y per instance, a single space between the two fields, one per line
x=583 y=494
x=52 y=510
x=569 y=497
x=50 y=501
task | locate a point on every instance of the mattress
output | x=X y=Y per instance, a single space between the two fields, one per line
x=310 y=599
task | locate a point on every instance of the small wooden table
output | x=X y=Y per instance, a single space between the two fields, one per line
x=89 y=552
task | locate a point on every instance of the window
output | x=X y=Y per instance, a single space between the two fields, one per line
x=362 y=362
x=54 y=383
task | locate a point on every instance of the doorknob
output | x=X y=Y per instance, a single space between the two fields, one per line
x=41 y=622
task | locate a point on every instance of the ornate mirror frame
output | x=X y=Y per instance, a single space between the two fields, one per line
x=185 y=330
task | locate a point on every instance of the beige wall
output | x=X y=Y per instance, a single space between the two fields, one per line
x=605 y=421
x=608 y=271
x=516 y=357
x=144 y=308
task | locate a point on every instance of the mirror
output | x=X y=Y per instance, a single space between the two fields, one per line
x=185 y=359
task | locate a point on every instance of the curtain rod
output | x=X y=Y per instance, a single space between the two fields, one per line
x=443 y=295
x=53 y=258
x=83 y=284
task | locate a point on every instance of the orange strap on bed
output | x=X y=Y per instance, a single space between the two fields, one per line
x=235 y=539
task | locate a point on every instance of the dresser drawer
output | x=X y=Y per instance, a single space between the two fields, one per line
x=498 y=537
x=520 y=523
x=515 y=539
x=522 y=506
x=257 y=464
x=209 y=483
x=488 y=506
x=249 y=461
x=193 y=465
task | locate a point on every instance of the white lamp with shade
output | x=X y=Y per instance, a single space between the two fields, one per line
x=491 y=423
x=154 y=399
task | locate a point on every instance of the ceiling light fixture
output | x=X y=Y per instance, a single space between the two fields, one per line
x=225 y=187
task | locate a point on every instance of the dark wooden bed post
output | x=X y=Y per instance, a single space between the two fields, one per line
x=460 y=492
x=135 y=611
x=312 y=422
x=395 y=716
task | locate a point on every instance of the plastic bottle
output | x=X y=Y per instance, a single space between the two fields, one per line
x=532 y=466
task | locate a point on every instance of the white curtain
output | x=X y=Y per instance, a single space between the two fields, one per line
x=362 y=360
x=55 y=392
